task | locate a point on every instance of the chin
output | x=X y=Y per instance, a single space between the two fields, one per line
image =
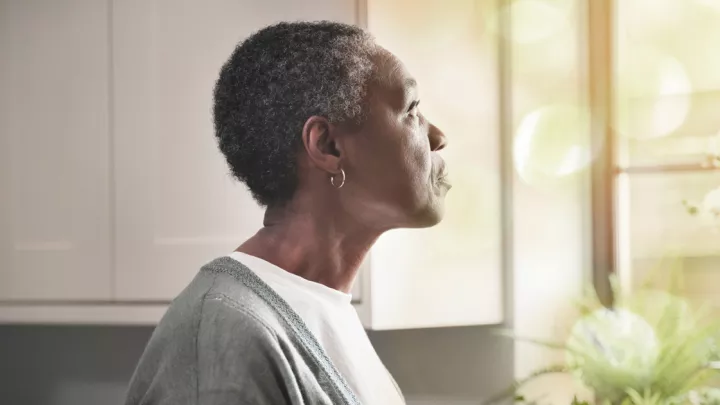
x=419 y=212
x=431 y=215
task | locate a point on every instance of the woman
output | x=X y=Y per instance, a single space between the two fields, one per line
x=323 y=127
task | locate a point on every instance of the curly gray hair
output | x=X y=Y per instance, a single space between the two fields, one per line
x=273 y=82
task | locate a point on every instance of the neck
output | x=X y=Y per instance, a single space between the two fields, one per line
x=320 y=245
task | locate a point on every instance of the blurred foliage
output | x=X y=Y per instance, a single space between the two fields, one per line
x=651 y=348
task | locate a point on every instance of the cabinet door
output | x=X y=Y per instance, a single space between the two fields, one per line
x=54 y=172
x=176 y=205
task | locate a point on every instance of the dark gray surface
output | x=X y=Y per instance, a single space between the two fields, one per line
x=67 y=365
x=83 y=365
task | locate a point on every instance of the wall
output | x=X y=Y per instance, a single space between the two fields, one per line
x=76 y=365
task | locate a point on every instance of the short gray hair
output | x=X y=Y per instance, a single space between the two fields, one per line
x=273 y=82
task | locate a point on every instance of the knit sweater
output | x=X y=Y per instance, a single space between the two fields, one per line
x=228 y=338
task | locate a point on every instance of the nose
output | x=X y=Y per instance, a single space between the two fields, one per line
x=438 y=140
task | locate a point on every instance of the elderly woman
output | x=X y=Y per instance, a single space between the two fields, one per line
x=323 y=127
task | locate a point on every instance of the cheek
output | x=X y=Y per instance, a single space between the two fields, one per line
x=411 y=186
x=393 y=166
x=407 y=158
x=416 y=153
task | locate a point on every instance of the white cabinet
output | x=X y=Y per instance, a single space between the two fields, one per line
x=54 y=167
x=118 y=194
x=176 y=206
x=107 y=147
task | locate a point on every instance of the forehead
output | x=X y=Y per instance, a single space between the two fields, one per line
x=392 y=78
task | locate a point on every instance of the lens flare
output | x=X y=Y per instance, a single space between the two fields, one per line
x=653 y=93
x=551 y=144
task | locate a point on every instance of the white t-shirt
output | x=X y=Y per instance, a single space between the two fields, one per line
x=331 y=318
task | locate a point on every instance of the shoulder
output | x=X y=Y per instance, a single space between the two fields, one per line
x=235 y=314
x=222 y=314
x=237 y=297
x=216 y=334
x=242 y=356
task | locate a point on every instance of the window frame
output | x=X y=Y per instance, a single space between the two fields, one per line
x=608 y=176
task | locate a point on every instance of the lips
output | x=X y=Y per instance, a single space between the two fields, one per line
x=442 y=171
x=443 y=180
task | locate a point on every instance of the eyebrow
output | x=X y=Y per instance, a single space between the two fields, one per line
x=409 y=83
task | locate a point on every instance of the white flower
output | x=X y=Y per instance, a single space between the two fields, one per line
x=711 y=203
x=626 y=340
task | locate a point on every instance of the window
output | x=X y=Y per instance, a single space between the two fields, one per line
x=666 y=130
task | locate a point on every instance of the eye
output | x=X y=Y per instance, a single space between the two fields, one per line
x=413 y=109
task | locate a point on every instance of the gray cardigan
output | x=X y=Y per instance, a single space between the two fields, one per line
x=229 y=339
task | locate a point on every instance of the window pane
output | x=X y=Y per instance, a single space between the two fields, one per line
x=657 y=233
x=692 y=143
x=551 y=121
x=551 y=154
x=667 y=81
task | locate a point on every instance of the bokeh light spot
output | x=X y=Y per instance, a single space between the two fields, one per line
x=552 y=143
x=653 y=93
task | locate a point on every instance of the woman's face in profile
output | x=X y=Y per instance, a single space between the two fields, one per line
x=398 y=179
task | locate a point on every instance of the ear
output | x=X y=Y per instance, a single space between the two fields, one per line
x=321 y=144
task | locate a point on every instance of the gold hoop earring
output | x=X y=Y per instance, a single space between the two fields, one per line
x=342 y=182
